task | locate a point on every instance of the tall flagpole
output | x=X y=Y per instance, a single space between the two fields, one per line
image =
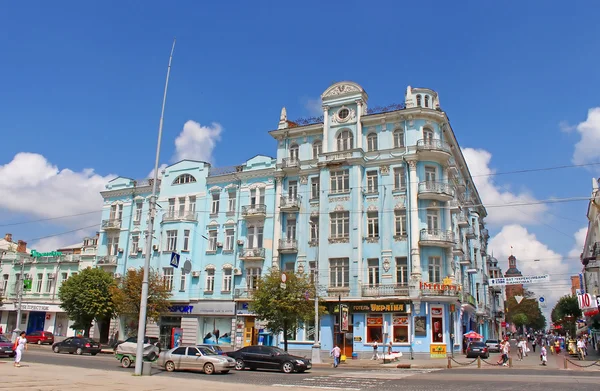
x=149 y=233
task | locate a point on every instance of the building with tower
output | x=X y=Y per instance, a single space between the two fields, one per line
x=512 y=271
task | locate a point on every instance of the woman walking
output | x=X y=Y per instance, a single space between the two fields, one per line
x=20 y=345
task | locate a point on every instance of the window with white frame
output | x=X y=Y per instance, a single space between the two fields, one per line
x=252 y=277
x=112 y=242
x=181 y=204
x=183 y=179
x=40 y=279
x=255 y=236
x=290 y=228
x=373 y=271
x=339 y=225
x=419 y=100
x=294 y=152
x=373 y=224
x=139 y=205
x=345 y=140
x=371 y=142
x=400 y=222
x=428 y=136
x=402 y=272
x=430 y=174
x=399 y=178
x=210 y=280
x=339 y=181
x=435 y=270
x=63 y=277
x=314 y=229
x=292 y=190
x=399 y=138
x=168 y=278
x=135 y=244
x=315 y=185
x=372 y=182
x=186 y=240
x=116 y=212
x=171 y=208
x=317 y=148
x=172 y=240
x=433 y=220
x=227 y=278
x=400 y=331
x=182 y=281
x=214 y=209
x=228 y=239
x=257 y=197
x=49 y=282
x=212 y=240
x=192 y=206
x=5 y=278
x=17 y=280
x=426 y=100
x=312 y=271
x=339 y=273
x=309 y=330
x=231 y=201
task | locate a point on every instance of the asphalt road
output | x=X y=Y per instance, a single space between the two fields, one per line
x=356 y=380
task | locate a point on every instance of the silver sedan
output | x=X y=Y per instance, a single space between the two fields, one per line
x=196 y=359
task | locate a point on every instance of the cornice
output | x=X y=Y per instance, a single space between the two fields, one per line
x=241 y=176
x=126 y=191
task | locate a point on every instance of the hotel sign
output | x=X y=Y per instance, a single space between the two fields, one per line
x=378 y=307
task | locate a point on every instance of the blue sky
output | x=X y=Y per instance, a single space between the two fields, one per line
x=82 y=86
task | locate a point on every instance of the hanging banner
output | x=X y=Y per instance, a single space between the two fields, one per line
x=519 y=280
x=344 y=318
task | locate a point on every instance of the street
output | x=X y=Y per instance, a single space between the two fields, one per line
x=469 y=378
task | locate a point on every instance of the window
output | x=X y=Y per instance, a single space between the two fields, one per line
x=312 y=271
x=340 y=181
x=294 y=152
x=345 y=140
x=63 y=277
x=212 y=240
x=402 y=271
x=372 y=182
x=181 y=203
x=112 y=242
x=257 y=197
x=372 y=224
x=17 y=279
x=400 y=328
x=339 y=272
x=419 y=100
x=398 y=138
x=428 y=136
x=210 y=280
x=231 y=202
x=228 y=240
x=426 y=100
x=314 y=229
x=49 y=282
x=171 y=209
x=168 y=278
x=399 y=178
x=339 y=224
x=437 y=325
x=371 y=142
x=317 y=149
x=182 y=282
x=343 y=113
x=4 y=284
x=138 y=212
x=172 y=240
x=135 y=243
x=227 y=276
x=73 y=274
x=289 y=267
x=183 y=179
x=255 y=236
x=435 y=269
x=291 y=333
x=38 y=287
x=374 y=328
x=309 y=330
x=116 y=212
x=432 y=221
x=215 y=203
x=290 y=229
x=373 y=271
x=252 y=277
x=186 y=240
x=477 y=292
x=315 y=185
x=292 y=190
x=192 y=207
x=400 y=222
x=192 y=351
x=430 y=174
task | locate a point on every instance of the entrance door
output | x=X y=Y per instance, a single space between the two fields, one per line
x=36 y=321
x=345 y=341
x=167 y=323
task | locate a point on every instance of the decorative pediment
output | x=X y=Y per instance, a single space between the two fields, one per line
x=342 y=88
x=228 y=266
x=214 y=189
x=230 y=222
x=257 y=185
x=210 y=266
x=213 y=223
x=231 y=187
x=372 y=208
x=339 y=208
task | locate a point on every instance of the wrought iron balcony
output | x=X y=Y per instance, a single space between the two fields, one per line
x=468 y=298
x=290 y=203
x=111 y=224
x=107 y=260
x=243 y=293
x=290 y=162
x=288 y=245
x=470 y=233
x=254 y=211
x=253 y=253
x=465 y=260
x=433 y=149
x=185 y=215
x=436 y=237
x=462 y=220
x=458 y=249
x=384 y=290
x=439 y=191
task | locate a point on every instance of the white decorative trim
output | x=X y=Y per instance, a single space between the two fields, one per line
x=213 y=223
x=210 y=266
x=340 y=89
x=214 y=189
x=303 y=179
x=231 y=186
x=256 y=185
x=229 y=222
x=339 y=208
x=384 y=170
x=372 y=208
x=228 y=266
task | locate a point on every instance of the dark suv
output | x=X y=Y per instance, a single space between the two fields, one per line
x=268 y=357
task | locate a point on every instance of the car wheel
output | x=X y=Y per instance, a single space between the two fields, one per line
x=56 y=349
x=239 y=364
x=209 y=368
x=125 y=362
x=170 y=366
x=79 y=351
x=287 y=367
x=224 y=372
x=151 y=356
x=486 y=356
x=93 y=354
x=39 y=342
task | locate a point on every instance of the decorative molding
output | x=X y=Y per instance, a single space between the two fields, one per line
x=313 y=243
x=412 y=164
x=372 y=239
x=340 y=90
x=400 y=238
x=384 y=170
x=256 y=185
x=386 y=264
x=339 y=240
x=372 y=208
x=214 y=189
x=314 y=213
x=303 y=179
x=231 y=186
x=339 y=199
x=339 y=208
x=399 y=206
x=301 y=269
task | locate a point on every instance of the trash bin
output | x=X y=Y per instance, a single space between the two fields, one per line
x=354 y=356
x=146 y=368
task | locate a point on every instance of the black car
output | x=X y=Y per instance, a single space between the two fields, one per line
x=78 y=345
x=268 y=357
x=477 y=349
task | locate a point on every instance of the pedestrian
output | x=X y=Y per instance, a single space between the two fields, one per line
x=533 y=343
x=336 y=352
x=1 y=330
x=544 y=356
x=20 y=345
x=390 y=348
x=520 y=350
x=375 y=347
x=505 y=352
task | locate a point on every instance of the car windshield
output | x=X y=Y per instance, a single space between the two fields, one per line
x=206 y=351
x=4 y=339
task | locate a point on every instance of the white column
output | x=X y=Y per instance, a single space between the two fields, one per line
x=325 y=128
x=359 y=137
x=414 y=219
x=449 y=262
x=277 y=222
x=448 y=227
x=359 y=219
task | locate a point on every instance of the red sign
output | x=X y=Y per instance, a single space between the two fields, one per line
x=503 y=324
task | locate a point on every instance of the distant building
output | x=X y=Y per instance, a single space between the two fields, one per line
x=575 y=285
x=513 y=290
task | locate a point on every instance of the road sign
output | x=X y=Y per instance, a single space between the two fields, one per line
x=187 y=267
x=283 y=278
x=519 y=299
x=519 y=280
x=282 y=285
x=542 y=301
x=174 y=259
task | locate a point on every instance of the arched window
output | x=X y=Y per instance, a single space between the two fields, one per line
x=183 y=179
x=371 y=142
x=428 y=136
x=398 y=138
x=419 y=100
x=426 y=100
x=294 y=152
x=345 y=140
x=317 y=149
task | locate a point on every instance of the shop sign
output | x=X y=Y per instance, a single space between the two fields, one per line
x=184 y=309
x=437 y=351
x=214 y=308
x=378 y=307
x=36 y=254
x=437 y=287
x=35 y=307
x=587 y=301
x=357 y=339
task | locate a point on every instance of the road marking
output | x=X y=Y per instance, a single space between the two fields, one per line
x=316 y=387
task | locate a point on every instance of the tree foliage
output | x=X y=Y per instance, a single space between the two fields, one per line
x=528 y=307
x=283 y=309
x=86 y=297
x=128 y=294
x=520 y=320
x=566 y=312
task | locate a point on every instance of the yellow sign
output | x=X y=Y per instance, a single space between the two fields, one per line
x=437 y=351
x=447 y=281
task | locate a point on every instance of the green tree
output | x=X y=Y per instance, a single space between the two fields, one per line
x=566 y=312
x=520 y=320
x=86 y=297
x=528 y=307
x=282 y=309
x=128 y=294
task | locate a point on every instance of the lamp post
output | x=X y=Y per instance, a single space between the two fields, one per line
x=150 y=230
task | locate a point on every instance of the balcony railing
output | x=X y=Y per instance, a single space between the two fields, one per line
x=338 y=291
x=290 y=202
x=243 y=293
x=288 y=245
x=256 y=210
x=437 y=235
x=107 y=260
x=465 y=259
x=462 y=219
x=290 y=162
x=253 y=253
x=433 y=145
x=111 y=224
x=470 y=233
x=437 y=289
x=339 y=156
x=469 y=299
x=187 y=215
x=384 y=290
x=445 y=190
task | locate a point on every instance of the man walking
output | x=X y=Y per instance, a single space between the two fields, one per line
x=336 y=352
x=375 y=347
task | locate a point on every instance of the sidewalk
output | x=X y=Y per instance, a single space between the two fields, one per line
x=404 y=362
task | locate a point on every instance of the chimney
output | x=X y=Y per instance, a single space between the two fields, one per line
x=8 y=238
x=21 y=247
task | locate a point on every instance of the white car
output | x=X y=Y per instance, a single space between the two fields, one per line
x=151 y=351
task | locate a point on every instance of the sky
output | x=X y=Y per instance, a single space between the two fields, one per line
x=82 y=85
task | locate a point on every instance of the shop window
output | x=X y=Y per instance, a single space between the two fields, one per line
x=291 y=333
x=400 y=332
x=437 y=325
x=374 y=328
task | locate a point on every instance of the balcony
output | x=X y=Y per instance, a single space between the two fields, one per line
x=341 y=156
x=111 y=224
x=384 y=290
x=290 y=204
x=107 y=260
x=290 y=162
x=462 y=220
x=338 y=291
x=184 y=215
x=485 y=233
x=438 y=191
x=468 y=298
x=288 y=246
x=435 y=150
x=253 y=254
x=436 y=237
x=452 y=167
x=465 y=260
x=243 y=293
x=454 y=206
x=470 y=233
x=457 y=249
x=256 y=211
x=429 y=289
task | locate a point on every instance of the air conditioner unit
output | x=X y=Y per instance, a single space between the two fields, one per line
x=237 y=272
x=240 y=242
x=120 y=250
x=155 y=247
x=196 y=274
x=118 y=275
x=139 y=249
x=219 y=244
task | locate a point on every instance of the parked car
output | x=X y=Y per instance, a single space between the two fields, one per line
x=477 y=349
x=41 y=337
x=268 y=357
x=493 y=345
x=196 y=358
x=147 y=341
x=215 y=348
x=78 y=345
x=129 y=346
x=6 y=347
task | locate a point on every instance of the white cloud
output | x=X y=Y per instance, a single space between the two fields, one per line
x=160 y=171
x=564 y=126
x=59 y=241
x=587 y=150
x=314 y=107
x=31 y=184
x=579 y=242
x=493 y=196
x=197 y=142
